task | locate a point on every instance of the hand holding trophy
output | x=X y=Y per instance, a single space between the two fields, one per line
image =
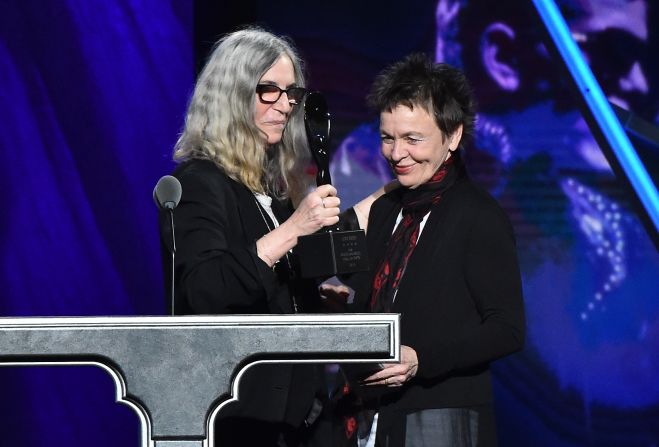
x=330 y=251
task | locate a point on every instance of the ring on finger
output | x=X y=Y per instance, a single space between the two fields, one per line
x=386 y=380
x=323 y=202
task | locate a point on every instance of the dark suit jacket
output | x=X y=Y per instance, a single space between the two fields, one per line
x=460 y=297
x=217 y=271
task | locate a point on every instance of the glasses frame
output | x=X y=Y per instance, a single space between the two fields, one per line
x=291 y=100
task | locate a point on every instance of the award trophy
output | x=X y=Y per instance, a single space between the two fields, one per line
x=330 y=251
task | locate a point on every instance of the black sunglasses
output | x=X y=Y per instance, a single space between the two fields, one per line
x=613 y=44
x=270 y=94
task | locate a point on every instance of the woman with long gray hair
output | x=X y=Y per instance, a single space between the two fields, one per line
x=242 y=157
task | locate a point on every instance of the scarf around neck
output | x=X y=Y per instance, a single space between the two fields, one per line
x=416 y=203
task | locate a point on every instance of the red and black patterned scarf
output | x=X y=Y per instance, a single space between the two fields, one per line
x=416 y=204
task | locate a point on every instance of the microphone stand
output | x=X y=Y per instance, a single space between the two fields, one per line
x=171 y=217
x=166 y=195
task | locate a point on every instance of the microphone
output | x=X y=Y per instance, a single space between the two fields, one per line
x=167 y=192
x=166 y=195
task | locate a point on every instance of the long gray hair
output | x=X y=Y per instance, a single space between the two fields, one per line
x=220 y=126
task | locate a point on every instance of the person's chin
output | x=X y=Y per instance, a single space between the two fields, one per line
x=274 y=138
x=406 y=182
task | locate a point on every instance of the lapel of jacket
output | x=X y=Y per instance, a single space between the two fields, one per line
x=249 y=213
x=381 y=230
x=255 y=226
x=419 y=271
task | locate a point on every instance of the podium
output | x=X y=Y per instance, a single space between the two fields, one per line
x=146 y=356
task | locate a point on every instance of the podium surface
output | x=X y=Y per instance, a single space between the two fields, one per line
x=146 y=356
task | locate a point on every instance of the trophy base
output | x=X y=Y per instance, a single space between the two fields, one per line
x=332 y=253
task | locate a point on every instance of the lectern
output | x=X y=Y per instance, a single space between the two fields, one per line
x=146 y=356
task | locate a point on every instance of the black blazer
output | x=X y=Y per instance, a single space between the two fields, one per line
x=217 y=271
x=460 y=296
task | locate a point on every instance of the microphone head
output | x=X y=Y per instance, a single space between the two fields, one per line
x=167 y=192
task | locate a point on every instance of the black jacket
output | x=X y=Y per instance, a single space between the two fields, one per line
x=217 y=271
x=460 y=298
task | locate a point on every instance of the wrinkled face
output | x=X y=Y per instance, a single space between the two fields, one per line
x=271 y=119
x=412 y=144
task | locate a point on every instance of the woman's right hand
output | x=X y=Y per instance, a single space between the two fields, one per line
x=320 y=208
x=334 y=297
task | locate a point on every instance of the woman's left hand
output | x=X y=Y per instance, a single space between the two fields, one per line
x=396 y=374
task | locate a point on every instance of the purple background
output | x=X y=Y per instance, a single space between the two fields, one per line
x=92 y=97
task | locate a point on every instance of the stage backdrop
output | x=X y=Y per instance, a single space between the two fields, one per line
x=92 y=97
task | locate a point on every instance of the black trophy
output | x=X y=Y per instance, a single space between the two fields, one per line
x=330 y=251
